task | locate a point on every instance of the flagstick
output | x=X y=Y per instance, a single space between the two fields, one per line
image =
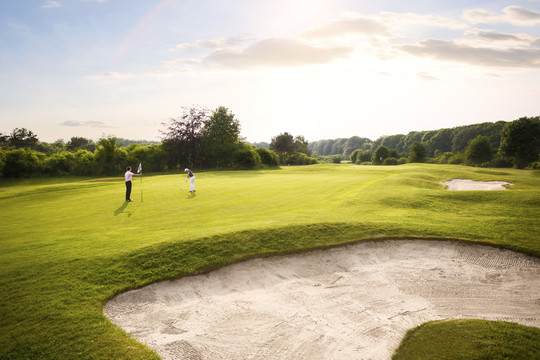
x=141 y=189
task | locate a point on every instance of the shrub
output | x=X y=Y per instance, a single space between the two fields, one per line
x=390 y=161
x=299 y=158
x=2 y=160
x=85 y=164
x=380 y=154
x=246 y=158
x=60 y=163
x=23 y=163
x=456 y=159
x=418 y=152
x=268 y=157
x=479 y=151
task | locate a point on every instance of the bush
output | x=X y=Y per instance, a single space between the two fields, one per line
x=23 y=163
x=354 y=155
x=501 y=161
x=268 y=158
x=456 y=159
x=390 y=161
x=299 y=158
x=402 y=161
x=85 y=164
x=444 y=158
x=246 y=158
x=2 y=160
x=418 y=152
x=479 y=151
x=60 y=163
x=336 y=159
x=152 y=157
x=380 y=155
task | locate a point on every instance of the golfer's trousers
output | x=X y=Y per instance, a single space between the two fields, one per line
x=128 y=190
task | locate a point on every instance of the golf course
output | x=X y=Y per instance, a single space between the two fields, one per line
x=69 y=245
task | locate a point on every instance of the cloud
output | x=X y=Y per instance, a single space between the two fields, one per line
x=89 y=123
x=452 y=51
x=356 y=26
x=511 y=14
x=111 y=76
x=493 y=37
x=276 y=52
x=52 y=4
x=210 y=44
x=426 y=76
x=399 y=19
x=380 y=25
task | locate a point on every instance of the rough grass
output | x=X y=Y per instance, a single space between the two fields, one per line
x=68 y=245
x=471 y=340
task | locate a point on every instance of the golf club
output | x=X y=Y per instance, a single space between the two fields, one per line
x=183 y=184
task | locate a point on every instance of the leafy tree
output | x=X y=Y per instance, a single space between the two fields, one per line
x=396 y=142
x=390 y=161
x=411 y=138
x=80 y=143
x=464 y=134
x=418 y=152
x=363 y=156
x=221 y=133
x=479 y=151
x=298 y=158
x=268 y=157
x=354 y=155
x=246 y=157
x=380 y=154
x=109 y=155
x=4 y=140
x=23 y=163
x=22 y=138
x=60 y=163
x=283 y=145
x=441 y=141
x=301 y=145
x=353 y=143
x=520 y=139
x=2 y=160
x=183 y=140
x=85 y=164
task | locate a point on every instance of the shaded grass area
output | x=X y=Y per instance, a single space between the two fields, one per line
x=470 y=339
x=66 y=247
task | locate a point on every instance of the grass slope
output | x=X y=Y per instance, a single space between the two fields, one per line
x=66 y=246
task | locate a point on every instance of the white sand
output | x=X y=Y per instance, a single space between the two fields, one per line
x=352 y=302
x=466 y=184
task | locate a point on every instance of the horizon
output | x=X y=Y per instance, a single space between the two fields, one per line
x=321 y=69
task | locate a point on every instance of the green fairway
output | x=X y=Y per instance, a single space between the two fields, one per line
x=66 y=246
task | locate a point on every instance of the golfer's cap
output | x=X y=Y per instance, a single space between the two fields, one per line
x=186 y=169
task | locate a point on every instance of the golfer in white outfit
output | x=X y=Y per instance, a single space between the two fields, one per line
x=191 y=177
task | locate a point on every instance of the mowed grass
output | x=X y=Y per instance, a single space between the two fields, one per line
x=68 y=245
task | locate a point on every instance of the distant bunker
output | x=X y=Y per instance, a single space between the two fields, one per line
x=467 y=184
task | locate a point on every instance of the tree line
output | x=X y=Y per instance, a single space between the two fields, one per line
x=499 y=144
x=204 y=139
x=198 y=138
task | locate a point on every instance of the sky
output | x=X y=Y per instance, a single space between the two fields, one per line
x=323 y=69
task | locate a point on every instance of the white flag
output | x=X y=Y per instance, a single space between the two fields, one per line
x=139 y=170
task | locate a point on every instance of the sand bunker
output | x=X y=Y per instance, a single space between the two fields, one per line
x=352 y=302
x=466 y=184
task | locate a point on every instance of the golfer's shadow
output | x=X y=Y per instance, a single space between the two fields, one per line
x=191 y=195
x=122 y=210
